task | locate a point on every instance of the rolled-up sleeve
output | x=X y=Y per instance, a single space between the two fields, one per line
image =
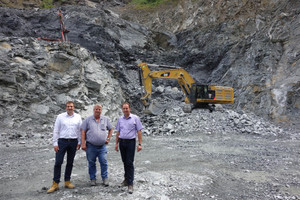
x=109 y=126
x=56 y=131
x=118 y=125
x=79 y=130
x=139 y=125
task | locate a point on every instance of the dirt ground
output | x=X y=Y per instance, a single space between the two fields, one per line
x=193 y=166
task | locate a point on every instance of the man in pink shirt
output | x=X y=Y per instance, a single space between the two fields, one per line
x=128 y=126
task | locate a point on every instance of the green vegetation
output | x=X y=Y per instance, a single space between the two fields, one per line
x=144 y=4
x=52 y=3
x=47 y=4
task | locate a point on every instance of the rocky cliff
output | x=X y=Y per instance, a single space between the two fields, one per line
x=248 y=45
x=37 y=78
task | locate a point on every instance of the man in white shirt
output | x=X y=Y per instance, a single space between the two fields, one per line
x=66 y=138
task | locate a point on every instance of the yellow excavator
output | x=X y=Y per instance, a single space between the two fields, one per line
x=196 y=95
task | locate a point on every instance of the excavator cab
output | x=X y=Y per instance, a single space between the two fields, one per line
x=199 y=91
x=199 y=97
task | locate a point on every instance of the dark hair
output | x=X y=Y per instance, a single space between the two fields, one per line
x=70 y=102
x=125 y=104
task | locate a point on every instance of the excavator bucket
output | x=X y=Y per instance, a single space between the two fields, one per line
x=155 y=108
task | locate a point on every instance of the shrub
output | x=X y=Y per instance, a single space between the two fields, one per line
x=47 y=4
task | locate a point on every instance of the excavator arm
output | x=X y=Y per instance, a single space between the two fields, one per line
x=183 y=78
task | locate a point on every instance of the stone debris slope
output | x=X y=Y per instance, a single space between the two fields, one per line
x=221 y=122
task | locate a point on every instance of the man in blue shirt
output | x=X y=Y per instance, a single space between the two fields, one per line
x=94 y=138
x=127 y=127
x=66 y=139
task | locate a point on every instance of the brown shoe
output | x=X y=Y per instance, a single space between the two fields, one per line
x=124 y=183
x=53 y=187
x=69 y=185
x=130 y=189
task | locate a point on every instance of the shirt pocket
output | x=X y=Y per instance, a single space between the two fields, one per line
x=103 y=127
x=132 y=126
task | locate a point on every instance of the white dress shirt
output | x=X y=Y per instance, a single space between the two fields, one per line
x=67 y=127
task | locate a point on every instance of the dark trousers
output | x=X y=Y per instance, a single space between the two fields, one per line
x=68 y=146
x=127 y=149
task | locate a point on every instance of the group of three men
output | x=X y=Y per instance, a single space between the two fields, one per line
x=70 y=133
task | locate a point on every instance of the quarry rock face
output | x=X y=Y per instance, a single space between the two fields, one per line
x=38 y=78
x=250 y=46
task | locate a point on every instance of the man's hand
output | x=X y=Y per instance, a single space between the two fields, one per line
x=83 y=146
x=139 y=147
x=107 y=140
x=117 y=147
x=78 y=146
x=56 y=149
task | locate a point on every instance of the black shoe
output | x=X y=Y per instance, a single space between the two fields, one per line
x=93 y=182
x=105 y=182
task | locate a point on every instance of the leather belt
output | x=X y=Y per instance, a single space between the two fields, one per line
x=68 y=139
x=120 y=139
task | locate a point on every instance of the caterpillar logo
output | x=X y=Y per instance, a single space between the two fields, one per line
x=167 y=74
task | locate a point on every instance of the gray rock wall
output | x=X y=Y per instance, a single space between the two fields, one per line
x=37 y=78
x=251 y=46
x=248 y=45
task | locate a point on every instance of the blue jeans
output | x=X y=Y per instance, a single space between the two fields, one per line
x=92 y=152
x=127 y=149
x=68 y=146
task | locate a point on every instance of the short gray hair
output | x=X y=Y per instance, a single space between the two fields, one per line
x=97 y=105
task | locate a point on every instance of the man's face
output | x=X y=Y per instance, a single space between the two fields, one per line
x=126 y=109
x=97 y=111
x=70 y=108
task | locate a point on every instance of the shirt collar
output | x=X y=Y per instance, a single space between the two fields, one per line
x=95 y=118
x=128 y=116
x=67 y=115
